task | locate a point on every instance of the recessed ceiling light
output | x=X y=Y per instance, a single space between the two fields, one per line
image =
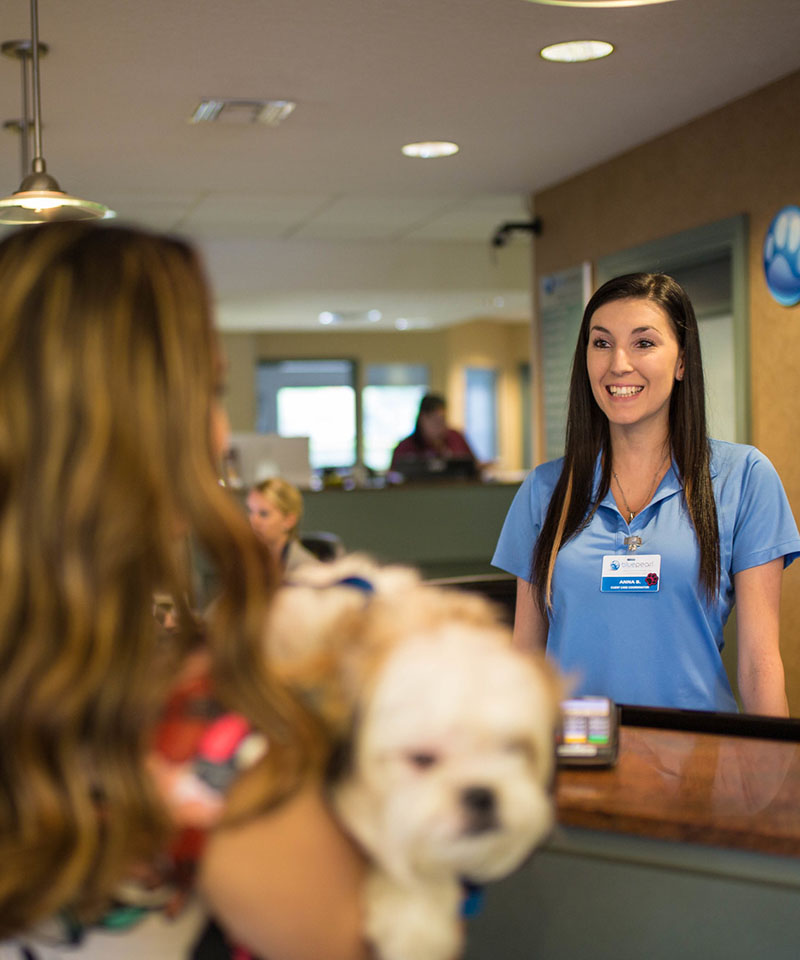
x=576 y=51
x=374 y=315
x=401 y=323
x=430 y=149
x=599 y=3
x=327 y=317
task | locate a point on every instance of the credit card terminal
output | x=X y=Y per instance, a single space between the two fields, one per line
x=589 y=732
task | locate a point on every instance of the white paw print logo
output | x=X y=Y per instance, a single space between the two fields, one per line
x=782 y=256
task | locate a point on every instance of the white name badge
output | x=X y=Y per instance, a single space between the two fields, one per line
x=626 y=573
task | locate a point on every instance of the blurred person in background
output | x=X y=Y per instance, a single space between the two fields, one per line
x=432 y=439
x=275 y=508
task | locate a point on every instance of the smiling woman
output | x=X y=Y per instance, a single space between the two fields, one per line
x=631 y=550
x=632 y=361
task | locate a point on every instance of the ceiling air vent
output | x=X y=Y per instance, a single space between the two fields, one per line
x=242 y=112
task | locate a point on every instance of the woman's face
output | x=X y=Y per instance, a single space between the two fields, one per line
x=271 y=526
x=434 y=426
x=633 y=360
x=219 y=423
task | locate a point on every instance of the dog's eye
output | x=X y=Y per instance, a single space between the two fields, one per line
x=522 y=746
x=422 y=760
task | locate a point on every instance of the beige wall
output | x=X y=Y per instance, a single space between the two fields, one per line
x=481 y=343
x=240 y=398
x=743 y=158
x=502 y=347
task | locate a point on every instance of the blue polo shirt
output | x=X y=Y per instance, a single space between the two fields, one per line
x=661 y=648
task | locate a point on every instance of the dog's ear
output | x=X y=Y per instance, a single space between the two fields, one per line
x=319 y=641
x=305 y=620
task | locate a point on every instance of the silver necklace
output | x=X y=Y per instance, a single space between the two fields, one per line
x=632 y=513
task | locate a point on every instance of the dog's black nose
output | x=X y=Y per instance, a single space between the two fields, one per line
x=481 y=808
x=479 y=799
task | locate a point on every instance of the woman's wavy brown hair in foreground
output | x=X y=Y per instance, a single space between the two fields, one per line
x=108 y=368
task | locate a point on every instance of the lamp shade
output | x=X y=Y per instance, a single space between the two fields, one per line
x=41 y=200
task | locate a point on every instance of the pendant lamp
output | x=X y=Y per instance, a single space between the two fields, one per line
x=39 y=199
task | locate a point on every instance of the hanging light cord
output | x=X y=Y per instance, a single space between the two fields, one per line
x=38 y=160
x=23 y=123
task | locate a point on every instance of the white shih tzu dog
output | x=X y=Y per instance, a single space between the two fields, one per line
x=449 y=735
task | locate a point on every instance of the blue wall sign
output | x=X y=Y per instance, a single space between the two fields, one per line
x=782 y=256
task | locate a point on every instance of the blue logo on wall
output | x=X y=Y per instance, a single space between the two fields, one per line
x=782 y=256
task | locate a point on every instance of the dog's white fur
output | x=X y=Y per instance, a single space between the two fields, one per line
x=451 y=732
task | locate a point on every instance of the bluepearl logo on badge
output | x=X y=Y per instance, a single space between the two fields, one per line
x=631 y=574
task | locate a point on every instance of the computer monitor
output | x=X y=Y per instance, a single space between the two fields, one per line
x=259 y=456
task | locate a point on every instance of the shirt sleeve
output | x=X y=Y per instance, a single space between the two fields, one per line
x=520 y=529
x=764 y=527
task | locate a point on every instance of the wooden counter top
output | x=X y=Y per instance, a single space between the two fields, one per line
x=723 y=791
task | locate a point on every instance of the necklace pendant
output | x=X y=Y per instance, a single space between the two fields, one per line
x=632 y=543
x=630 y=518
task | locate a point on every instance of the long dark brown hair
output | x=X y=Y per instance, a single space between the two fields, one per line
x=108 y=368
x=430 y=403
x=573 y=504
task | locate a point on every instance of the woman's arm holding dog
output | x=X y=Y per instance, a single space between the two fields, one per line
x=288 y=884
x=530 y=627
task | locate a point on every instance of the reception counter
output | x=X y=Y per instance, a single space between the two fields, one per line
x=732 y=792
x=689 y=847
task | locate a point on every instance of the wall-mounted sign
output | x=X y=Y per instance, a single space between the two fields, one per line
x=562 y=297
x=782 y=256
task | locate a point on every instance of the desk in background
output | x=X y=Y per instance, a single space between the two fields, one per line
x=444 y=529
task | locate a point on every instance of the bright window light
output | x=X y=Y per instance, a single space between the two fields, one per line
x=327 y=415
x=312 y=398
x=576 y=51
x=389 y=415
x=480 y=420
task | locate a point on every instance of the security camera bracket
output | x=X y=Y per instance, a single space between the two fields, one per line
x=502 y=234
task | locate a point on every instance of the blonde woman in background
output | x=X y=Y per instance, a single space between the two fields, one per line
x=275 y=508
x=110 y=429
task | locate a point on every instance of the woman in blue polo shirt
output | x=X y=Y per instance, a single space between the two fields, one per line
x=631 y=550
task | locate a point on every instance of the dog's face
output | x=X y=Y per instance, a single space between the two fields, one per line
x=450 y=729
x=455 y=746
